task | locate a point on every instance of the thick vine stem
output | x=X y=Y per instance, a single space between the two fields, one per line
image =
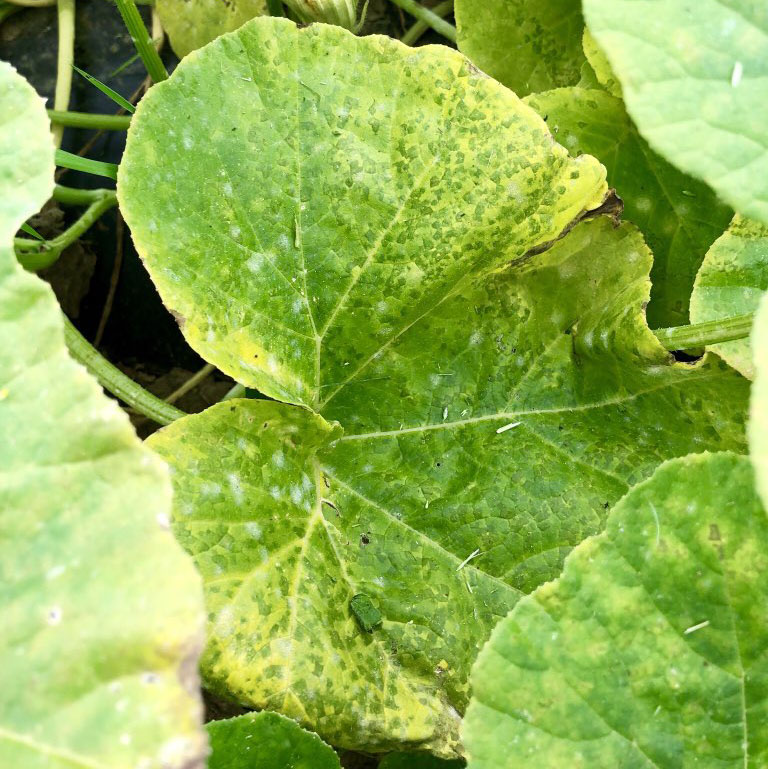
x=412 y=35
x=89 y=120
x=114 y=381
x=66 y=58
x=429 y=17
x=142 y=40
x=34 y=255
x=710 y=332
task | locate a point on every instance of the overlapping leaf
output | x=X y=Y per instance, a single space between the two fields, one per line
x=191 y=24
x=527 y=46
x=266 y=741
x=758 y=417
x=101 y=610
x=679 y=216
x=650 y=649
x=731 y=281
x=694 y=78
x=497 y=388
x=301 y=218
x=600 y=65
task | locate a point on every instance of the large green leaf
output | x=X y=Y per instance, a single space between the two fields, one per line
x=498 y=429
x=694 y=78
x=266 y=741
x=731 y=281
x=758 y=417
x=425 y=227
x=528 y=46
x=101 y=610
x=679 y=216
x=651 y=650
x=191 y=24
x=299 y=221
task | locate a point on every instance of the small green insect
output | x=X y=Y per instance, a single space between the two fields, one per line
x=365 y=612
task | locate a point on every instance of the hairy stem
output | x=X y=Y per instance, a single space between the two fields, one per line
x=142 y=40
x=34 y=255
x=66 y=58
x=89 y=120
x=412 y=35
x=703 y=334
x=429 y=17
x=114 y=381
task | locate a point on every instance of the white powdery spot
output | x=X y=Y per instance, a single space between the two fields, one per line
x=236 y=487
x=225 y=622
x=174 y=751
x=275 y=493
x=297 y=495
x=737 y=74
x=188 y=143
x=278 y=458
x=227 y=188
x=643 y=204
x=55 y=571
x=54 y=615
x=235 y=231
x=272 y=364
x=297 y=305
x=255 y=263
x=253 y=530
x=125 y=739
x=475 y=339
x=163 y=521
x=210 y=489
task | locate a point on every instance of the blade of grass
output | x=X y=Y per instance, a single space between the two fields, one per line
x=88 y=166
x=142 y=40
x=106 y=90
x=30 y=230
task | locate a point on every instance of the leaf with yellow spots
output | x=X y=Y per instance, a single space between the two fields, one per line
x=102 y=611
x=474 y=387
x=528 y=46
x=191 y=24
x=731 y=281
x=678 y=215
x=651 y=649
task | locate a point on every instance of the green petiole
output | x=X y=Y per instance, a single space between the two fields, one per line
x=89 y=120
x=114 y=381
x=707 y=333
x=34 y=255
x=412 y=35
x=429 y=17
